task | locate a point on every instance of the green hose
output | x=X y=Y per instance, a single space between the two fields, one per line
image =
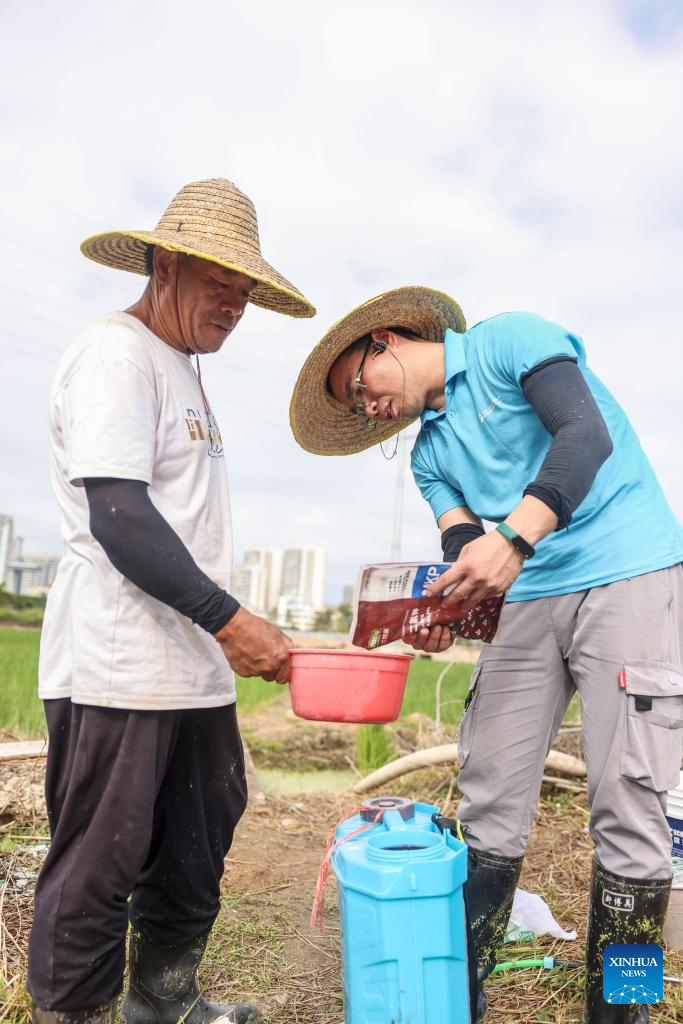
x=547 y=962
x=510 y=965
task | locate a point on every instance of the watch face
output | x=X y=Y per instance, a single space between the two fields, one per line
x=525 y=549
x=522 y=546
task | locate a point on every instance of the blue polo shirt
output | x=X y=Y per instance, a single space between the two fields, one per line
x=488 y=444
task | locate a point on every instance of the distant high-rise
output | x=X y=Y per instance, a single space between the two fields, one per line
x=268 y=574
x=269 y=563
x=246 y=586
x=294 y=613
x=33 y=575
x=6 y=537
x=303 y=574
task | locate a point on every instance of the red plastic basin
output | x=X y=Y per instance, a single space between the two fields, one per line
x=348 y=686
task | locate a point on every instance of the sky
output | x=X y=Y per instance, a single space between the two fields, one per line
x=517 y=156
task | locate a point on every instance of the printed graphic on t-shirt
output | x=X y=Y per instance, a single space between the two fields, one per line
x=208 y=431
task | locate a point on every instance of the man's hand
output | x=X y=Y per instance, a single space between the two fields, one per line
x=488 y=566
x=434 y=640
x=254 y=647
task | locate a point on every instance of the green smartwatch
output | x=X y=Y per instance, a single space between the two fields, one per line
x=525 y=549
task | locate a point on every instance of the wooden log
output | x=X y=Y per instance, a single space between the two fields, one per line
x=447 y=753
x=16 y=751
x=558 y=783
x=556 y=761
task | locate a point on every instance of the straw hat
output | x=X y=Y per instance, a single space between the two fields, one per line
x=213 y=220
x=323 y=425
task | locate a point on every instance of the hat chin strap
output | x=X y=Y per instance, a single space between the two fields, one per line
x=190 y=351
x=400 y=406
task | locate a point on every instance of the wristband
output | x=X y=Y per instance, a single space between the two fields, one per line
x=525 y=549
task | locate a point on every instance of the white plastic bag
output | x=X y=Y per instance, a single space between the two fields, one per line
x=531 y=916
x=677 y=866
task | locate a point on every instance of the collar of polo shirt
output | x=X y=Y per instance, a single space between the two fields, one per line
x=455 y=360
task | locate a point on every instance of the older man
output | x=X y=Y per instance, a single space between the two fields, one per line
x=145 y=775
x=518 y=431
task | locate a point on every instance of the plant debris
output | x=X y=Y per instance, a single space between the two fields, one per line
x=262 y=948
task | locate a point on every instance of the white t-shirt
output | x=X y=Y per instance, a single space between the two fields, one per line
x=127 y=405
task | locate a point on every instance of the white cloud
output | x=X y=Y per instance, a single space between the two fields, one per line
x=516 y=155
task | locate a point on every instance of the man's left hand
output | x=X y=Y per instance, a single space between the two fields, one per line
x=434 y=640
x=487 y=566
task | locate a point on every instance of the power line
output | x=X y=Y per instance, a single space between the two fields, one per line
x=19 y=352
x=37 y=316
x=234 y=366
x=52 y=258
x=222 y=376
x=227 y=402
x=105 y=284
x=46 y=301
x=32 y=341
x=103 y=297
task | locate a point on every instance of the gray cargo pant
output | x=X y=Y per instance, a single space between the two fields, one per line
x=621 y=647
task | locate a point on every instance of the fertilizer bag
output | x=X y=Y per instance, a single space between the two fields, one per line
x=391 y=603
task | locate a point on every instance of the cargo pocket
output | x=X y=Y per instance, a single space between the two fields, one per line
x=465 y=733
x=652 y=743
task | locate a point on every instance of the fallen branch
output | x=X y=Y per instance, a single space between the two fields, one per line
x=558 y=783
x=22 y=749
x=448 y=753
x=257 y=892
x=256 y=794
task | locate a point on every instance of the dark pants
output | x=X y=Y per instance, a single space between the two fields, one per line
x=141 y=804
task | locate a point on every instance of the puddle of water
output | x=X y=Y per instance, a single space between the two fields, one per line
x=276 y=782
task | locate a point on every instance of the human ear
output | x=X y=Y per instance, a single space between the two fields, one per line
x=382 y=337
x=165 y=262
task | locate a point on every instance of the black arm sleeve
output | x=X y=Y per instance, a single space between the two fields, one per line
x=146 y=550
x=453 y=539
x=565 y=406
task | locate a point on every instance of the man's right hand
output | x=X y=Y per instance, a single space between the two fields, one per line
x=254 y=647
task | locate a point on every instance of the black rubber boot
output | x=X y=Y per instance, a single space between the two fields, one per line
x=622 y=910
x=163 y=987
x=105 y=1014
x=489 y=892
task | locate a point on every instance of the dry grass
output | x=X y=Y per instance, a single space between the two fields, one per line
x=262 y=947
x=16 y=908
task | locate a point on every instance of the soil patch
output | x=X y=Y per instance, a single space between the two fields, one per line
x=22 y=797
x=262 y=946
x=278 y=739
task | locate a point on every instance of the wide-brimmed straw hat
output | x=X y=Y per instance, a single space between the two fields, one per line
x=323 y=425
x=213 y=220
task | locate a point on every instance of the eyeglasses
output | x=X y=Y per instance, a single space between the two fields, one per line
x=358 y=387
x=359 y=402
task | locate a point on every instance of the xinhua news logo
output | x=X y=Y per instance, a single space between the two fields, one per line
x=633 y=974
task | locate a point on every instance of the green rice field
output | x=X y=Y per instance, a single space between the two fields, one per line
x=21 y=712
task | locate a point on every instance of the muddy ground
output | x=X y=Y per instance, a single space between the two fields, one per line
x=263 y=947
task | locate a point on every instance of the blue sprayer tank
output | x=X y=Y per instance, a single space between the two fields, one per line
x=402 y=913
